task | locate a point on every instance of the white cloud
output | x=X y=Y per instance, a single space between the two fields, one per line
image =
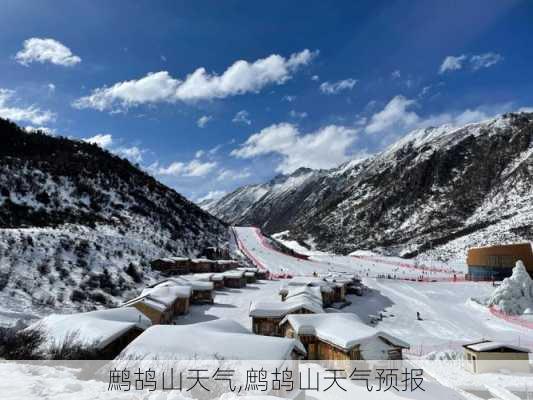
x=199 y=154
x=336 y=87
x=485 y=60
x=51 y=87
x=397 y=117
x=30 y=114
x=203 y=120
x=134 y=153
x=526 y=109
x=396 y=74
x=240 y=78
x=452 y=63
x=288 y=98
x=44 y=50
x=315 y=78
x=212 y=195
x=102 y=140
x=296 y=114
x=242 y=117
x=43 y=129
x=231 y=175
x=394 y=115
x=297 y=149
x=476 y=61
x=194 y=168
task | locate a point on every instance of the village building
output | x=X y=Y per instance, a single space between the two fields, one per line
x=202 y=292
x=267 y=315
x=224 y=265
x=108 y=331
x=172 y=265
x=216 y=278
x=326 y=289
x=487 y=356
x=202 y=265
x=216 y=253
x=497 y=262
x=163 y=302
x=234 y=279
x=341 y=336
x=311 y=291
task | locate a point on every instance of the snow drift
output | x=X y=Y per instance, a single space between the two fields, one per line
x=515 y=295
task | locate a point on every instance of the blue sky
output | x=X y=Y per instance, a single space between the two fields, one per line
x=208 y=95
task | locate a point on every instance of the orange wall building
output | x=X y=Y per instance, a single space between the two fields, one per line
x=497 y=262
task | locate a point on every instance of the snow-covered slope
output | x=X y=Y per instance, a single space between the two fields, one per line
x=73 y=217
x=436 y=191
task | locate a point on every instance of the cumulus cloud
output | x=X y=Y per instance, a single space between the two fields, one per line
x=336 y=87
x=194 y=168
x=232 y=175
x=396 y=74
x=102 y=140
x=242 y=117
x=44 y=50
x=44 y=129
x=475 y=62
x=212 y=195
x=134 y=153
x=297 y=149
x=240 y=78
x=203 y=120
x=397 y=117
x=30 y=114
x=395 y=114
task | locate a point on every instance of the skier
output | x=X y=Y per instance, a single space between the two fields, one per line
x=418 y=316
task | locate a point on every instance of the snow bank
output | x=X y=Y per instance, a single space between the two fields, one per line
x=515 y=295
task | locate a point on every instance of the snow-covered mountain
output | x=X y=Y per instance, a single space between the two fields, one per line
x=78 y=224
x=436 y=191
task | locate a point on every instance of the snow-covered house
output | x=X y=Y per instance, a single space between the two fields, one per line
x=202 y=292
x=487 y=356
x=109 y=331
x=326 y=288
x=216 y=278
x=163 y=302
x=267 y=315
x=234 y=279
x=224 y=265
x=341 y=336
x=199 y=265
x=172 y=265
x=217 y=339
x=312 y=291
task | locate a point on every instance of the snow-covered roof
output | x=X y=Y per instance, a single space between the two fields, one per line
x=278 y=309
x=340 y=329
x=194 y=284
x=233 y=274
x=221 y=339
x=167 y=292
x=96 y=327
x=299 y=281
x=488 y=346
x=312 y=291
x=202 y=260
x=180 y=259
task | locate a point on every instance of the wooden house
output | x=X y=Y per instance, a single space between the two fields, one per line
x=202 y=292
x=109 y=331
x=216 y=278
x=215 y=253
x=326 y=288
x=234 y=279
x=163 y=302
x=266 y=316
x=342 y=337
x=225 y=265
x=202 y=265
x=487 y=356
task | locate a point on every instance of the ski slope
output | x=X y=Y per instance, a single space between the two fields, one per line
x=450 y=317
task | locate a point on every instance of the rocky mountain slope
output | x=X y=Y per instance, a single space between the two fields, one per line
x=437 y=191
x=79 y=225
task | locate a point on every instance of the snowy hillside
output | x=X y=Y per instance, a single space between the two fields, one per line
x=437 y=191
x=78 y=224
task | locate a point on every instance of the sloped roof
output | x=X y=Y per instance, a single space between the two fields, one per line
x=488 y=346
x=96 y=327
x=278 y=309
x=222 y=339
x=343 y=330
